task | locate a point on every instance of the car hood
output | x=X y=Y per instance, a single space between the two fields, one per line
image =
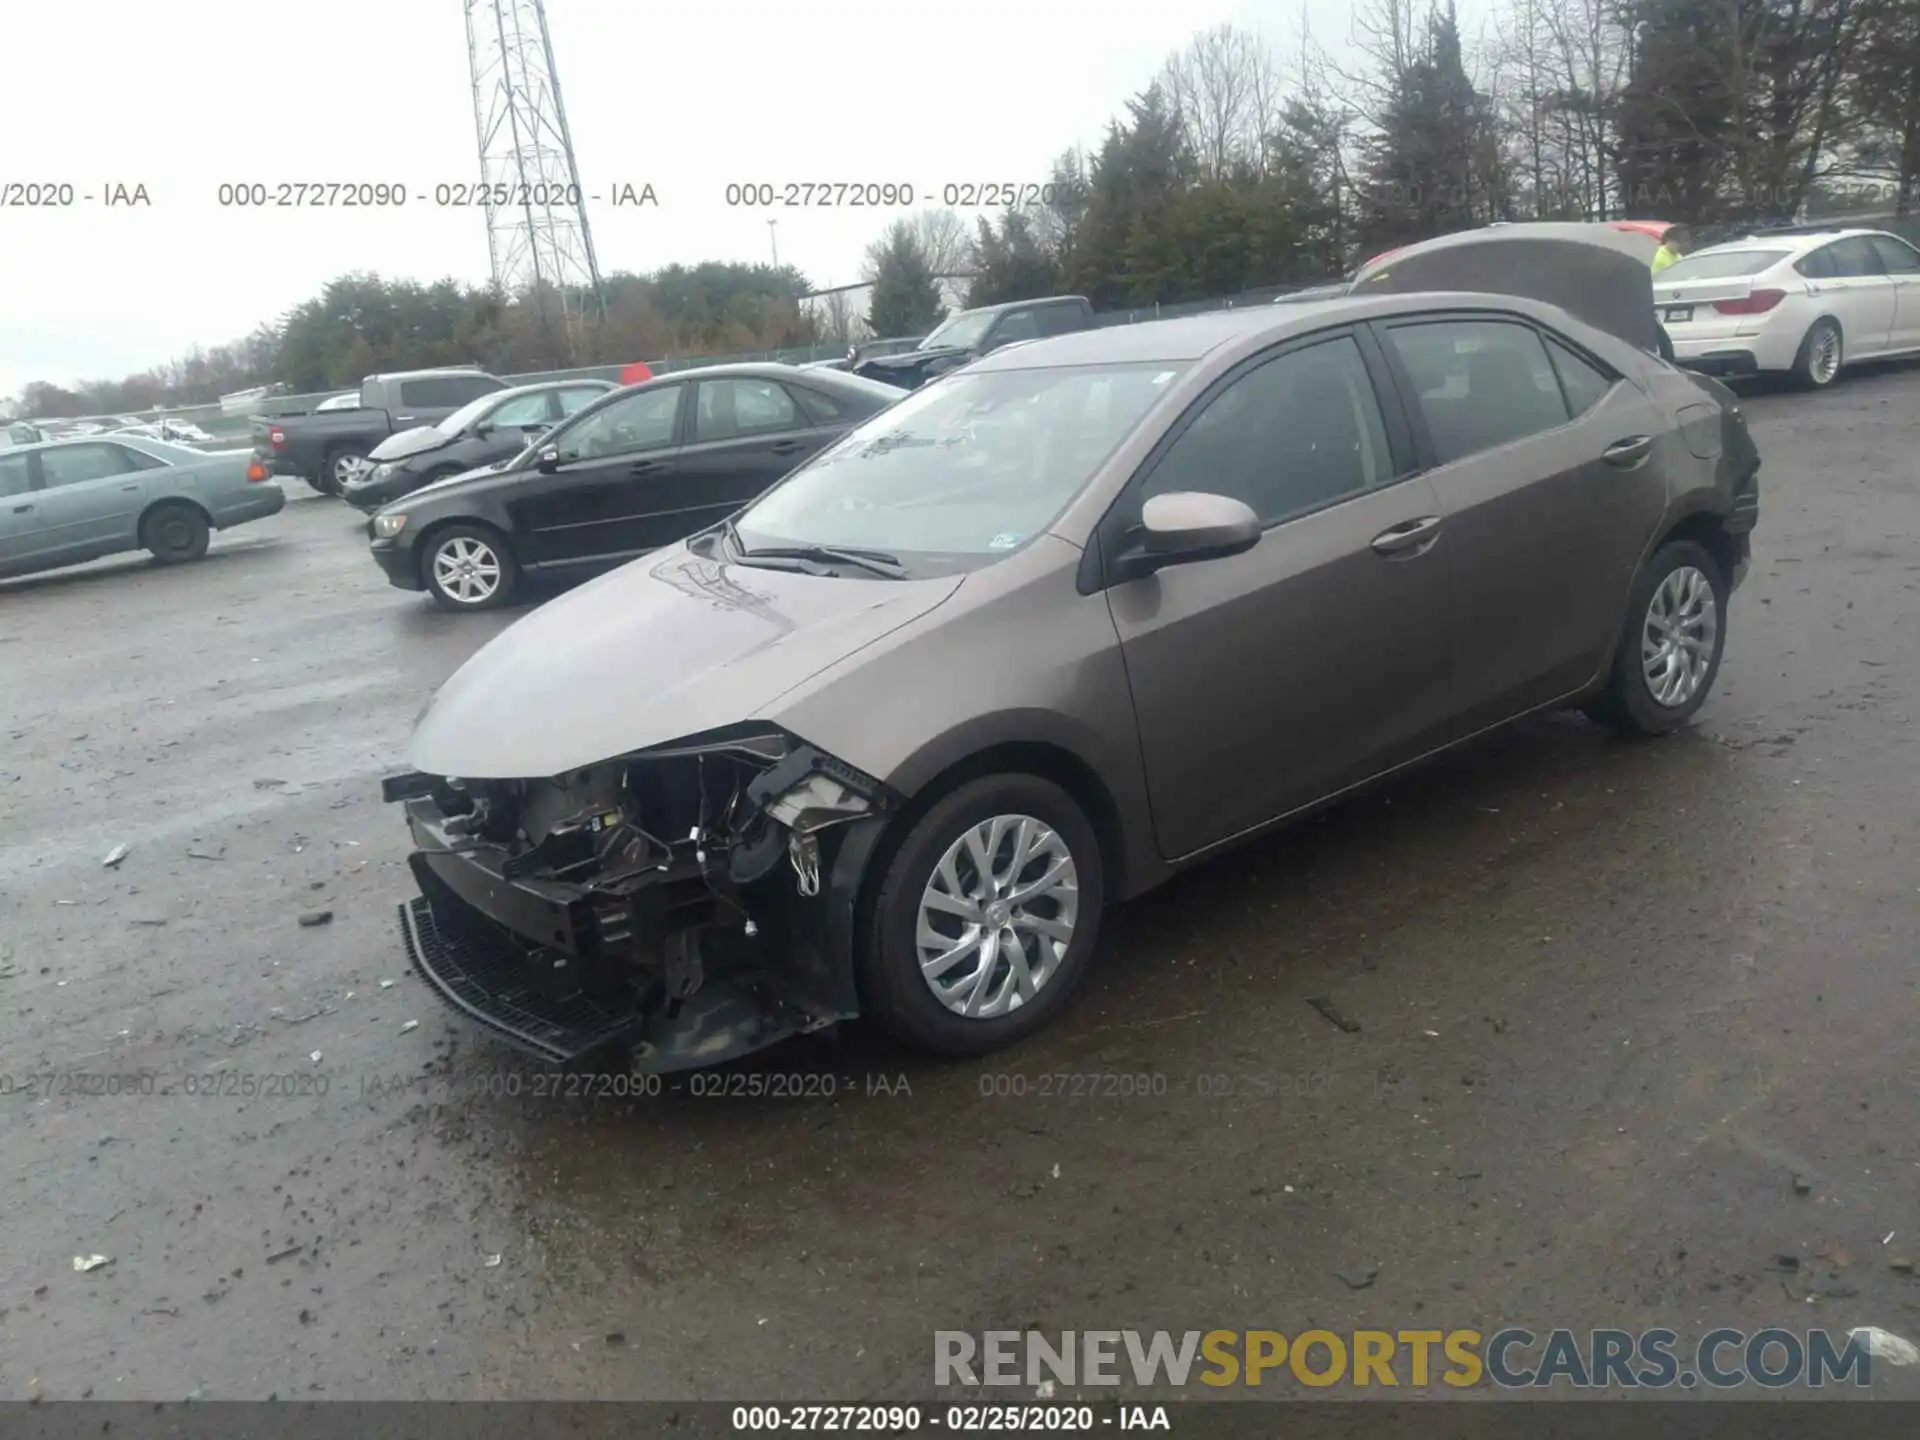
x=669 y=646
x=404 y=443
x=906 y=361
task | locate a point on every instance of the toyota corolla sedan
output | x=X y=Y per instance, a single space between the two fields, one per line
x=889 y=741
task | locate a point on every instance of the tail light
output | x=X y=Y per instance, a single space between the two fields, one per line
x=277 y=438
x=256 y=472
x=1758 y=303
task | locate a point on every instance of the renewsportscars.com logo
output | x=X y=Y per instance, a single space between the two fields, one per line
x=1510 y=1359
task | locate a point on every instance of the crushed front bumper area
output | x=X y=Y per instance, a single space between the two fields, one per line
x=552 y=913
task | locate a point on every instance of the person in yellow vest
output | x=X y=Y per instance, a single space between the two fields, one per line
x=1673 y=245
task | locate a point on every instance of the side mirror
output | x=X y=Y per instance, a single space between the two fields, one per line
x=484 y=429
x=548 y=460
x=1184 y=526
x=539 y=427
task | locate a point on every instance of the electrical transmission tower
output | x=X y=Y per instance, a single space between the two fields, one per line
x=537 y=233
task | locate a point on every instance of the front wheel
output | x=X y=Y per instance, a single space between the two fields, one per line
x=1669 y=652
x=468 y=567
x=986 y=919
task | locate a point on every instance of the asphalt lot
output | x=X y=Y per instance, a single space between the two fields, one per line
x=1613 y=999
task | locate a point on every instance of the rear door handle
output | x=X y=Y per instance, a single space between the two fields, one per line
x=646 y=467
x=785 y=447
x=129 y=487
x=22 y=509
x=1411 y=538
x=1629 y=452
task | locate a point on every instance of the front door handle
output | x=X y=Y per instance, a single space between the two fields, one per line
x=22 y=509
x=646 y=467
x=785 y=447
x=1412 y=538
x=130 y=487
x=1628 y=453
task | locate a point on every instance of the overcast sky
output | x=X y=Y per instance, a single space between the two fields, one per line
x=182 y=96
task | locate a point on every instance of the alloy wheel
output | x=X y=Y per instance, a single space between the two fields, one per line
x=1678 y=638
x=466 y=569
x=1824 y=361
x=997 y=916
x=348 y=468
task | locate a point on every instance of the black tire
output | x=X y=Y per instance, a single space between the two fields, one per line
x=483 y=539
x=330 y=479
x=894 y=994
x=1810 y=371
x=175 y=532
x=1628 y=704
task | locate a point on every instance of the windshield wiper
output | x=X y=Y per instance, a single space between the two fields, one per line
x=876 y=562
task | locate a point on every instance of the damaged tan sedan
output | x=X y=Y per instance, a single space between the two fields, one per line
x=887 y=743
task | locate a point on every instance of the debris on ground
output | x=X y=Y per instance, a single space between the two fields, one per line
x=1802 y=1185
x=116 y=855
x=311 y=918
x=1789 y=1263
x=388 y=984
x=493 y=1262
x=206 y=850
x=1359 y=1279
x=410 y=1025
x=87 y=1264
x=280 y=1255
x=1901 y=1266
x=1885 y=1345
x=1333 y=1015
x=315 y=1057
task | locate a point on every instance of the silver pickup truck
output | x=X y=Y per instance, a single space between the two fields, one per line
x=68 y=501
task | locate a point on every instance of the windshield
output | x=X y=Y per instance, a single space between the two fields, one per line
x=962 y=332
x=964 y=470
x=468 y=414
x=1720 y=265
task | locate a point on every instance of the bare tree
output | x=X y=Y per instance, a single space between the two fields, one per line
x=837 y=316
x=940 y=235
x=1225 y=87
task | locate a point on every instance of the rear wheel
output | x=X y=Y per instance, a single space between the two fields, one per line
x=1669 y=653
x=175 y=532
x=986 y=919
x=468 y=567
x=1821 y=355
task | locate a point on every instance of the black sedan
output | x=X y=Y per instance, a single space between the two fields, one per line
x=637 y=469
x=495 y=427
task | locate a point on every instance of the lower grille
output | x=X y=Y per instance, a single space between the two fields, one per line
x=484 y=976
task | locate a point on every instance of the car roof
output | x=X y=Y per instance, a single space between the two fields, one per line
x=1793 y=241
x=1254 y=327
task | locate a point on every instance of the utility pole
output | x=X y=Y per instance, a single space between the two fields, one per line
x=773 y=236
x=537 y=234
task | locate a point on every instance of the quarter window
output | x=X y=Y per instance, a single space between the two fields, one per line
x=1293 y=434
x=1479 y=383
x=521 y=411
x=1584 y=382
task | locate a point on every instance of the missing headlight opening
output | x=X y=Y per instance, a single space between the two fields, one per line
x=642 y=899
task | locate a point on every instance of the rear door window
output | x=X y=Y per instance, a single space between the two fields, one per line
x=445 y=392
x=1479 y=383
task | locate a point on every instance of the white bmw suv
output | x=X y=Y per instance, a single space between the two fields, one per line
x=1799 y=304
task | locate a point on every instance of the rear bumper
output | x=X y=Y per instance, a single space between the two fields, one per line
x=260 y=501
x=1715 y=357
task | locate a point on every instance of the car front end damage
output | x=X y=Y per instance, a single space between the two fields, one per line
x=689 y=903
